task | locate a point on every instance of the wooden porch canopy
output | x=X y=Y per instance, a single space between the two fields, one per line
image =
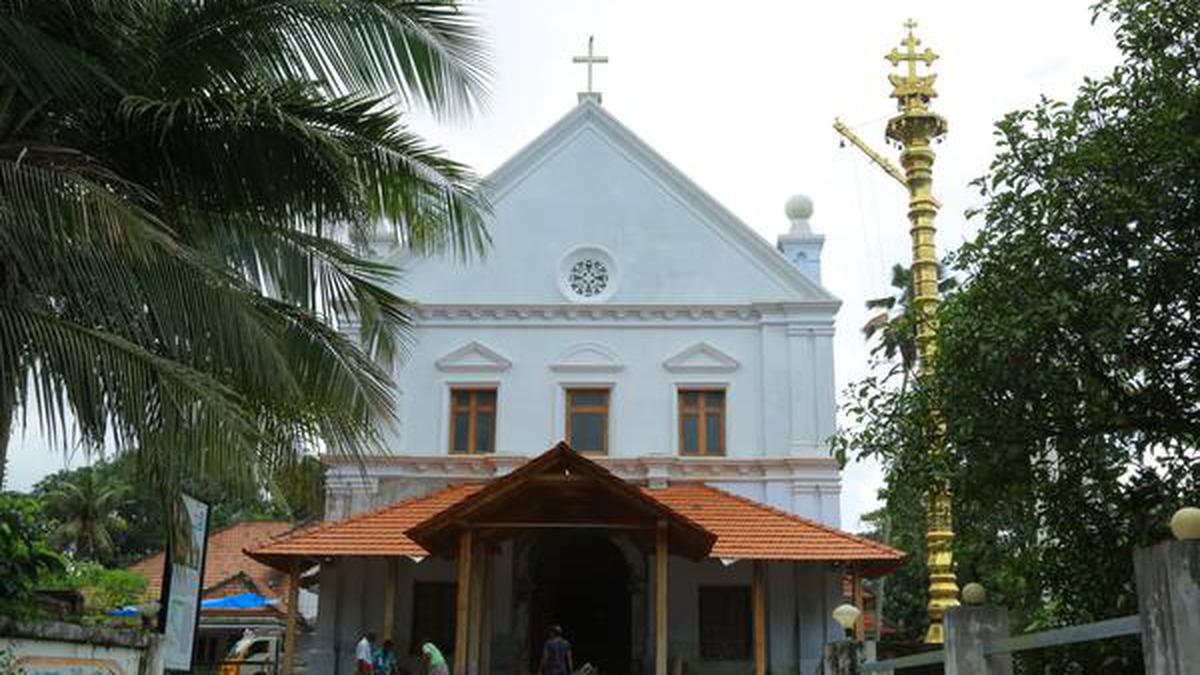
x=561 y=489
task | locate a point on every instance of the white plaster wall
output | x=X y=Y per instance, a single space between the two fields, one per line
x=590 y=191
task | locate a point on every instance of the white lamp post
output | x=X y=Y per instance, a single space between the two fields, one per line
x=846 y=615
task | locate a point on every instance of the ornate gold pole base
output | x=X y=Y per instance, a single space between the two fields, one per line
x=943 y=585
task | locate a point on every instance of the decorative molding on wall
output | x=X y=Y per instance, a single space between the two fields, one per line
x=816 y=317
x=701 y=357
x=473 y=357
x=588 y=357
x=644 y=469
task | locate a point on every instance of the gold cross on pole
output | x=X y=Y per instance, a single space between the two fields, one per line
x=591 y=59
x=910 y=84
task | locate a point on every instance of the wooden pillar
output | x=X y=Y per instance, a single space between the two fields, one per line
x=462 y=605
x=293 y=609
x=660 y=600
x=389 y=599
x=1168 y=589
x=485 y=611
x=759 y=600
x=860 y=626
x=479 y=560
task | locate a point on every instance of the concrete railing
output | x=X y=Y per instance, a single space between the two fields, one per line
x=978 y=640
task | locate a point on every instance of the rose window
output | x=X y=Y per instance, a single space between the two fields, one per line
x=588 y=277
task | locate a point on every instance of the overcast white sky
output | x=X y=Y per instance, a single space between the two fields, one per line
x=741 y=98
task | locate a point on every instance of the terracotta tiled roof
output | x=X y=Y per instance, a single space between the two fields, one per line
x=744 y=529
x=750 y=530
x=375 y=533
x=226 y=562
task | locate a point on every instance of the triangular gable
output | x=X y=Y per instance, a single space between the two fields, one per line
x=701 y=358
x=473 y=357
x=561 y=486
x=741 y=236
x=588 y=358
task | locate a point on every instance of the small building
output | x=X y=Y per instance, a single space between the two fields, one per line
x=642 y=579
x=228 y=571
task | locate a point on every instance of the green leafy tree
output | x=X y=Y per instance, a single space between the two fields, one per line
x=187 y=191
x=893 y=326
x=87 y=510
x=25 y=555
x=143 y=514
x=1069 y=360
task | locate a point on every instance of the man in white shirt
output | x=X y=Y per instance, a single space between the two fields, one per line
x=364 y=655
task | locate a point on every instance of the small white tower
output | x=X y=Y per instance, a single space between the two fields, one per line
x=801 y=246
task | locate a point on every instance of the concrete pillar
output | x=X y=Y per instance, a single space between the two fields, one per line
x=968 y=628
x=1168 y=588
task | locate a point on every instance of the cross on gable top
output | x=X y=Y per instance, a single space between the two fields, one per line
x=590 y=59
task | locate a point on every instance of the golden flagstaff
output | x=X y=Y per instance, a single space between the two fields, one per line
x=914 y=128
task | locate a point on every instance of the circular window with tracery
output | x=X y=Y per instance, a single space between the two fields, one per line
x=587 y=274
x=588 y=277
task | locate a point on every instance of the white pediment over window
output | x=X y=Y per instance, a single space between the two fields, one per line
x=588 y=357
x=473 y=357
x=701 y=358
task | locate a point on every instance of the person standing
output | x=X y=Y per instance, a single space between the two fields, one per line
x=556 y=656
x=385 y=658
x=364 y=655
x=432 y=660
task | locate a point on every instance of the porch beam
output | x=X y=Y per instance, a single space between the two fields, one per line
x=293 y=602
x=759 y=600
x=558 y=526
x=462 y=608
x=660 y=600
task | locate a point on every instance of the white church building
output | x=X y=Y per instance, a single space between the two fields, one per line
x=690 y=519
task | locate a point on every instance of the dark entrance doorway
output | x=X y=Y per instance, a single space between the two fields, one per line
x=581 y=582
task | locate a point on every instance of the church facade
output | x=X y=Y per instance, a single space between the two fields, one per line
x=681 y=370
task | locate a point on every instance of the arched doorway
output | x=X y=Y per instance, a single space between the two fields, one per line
x=581 y=582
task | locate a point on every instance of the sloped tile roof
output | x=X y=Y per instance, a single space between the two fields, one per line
x=744 y=529
x=226 y=560
x=375 y=533
x=750 y=530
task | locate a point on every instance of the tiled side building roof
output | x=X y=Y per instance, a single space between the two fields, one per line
x=744 y=529
x=227 y=568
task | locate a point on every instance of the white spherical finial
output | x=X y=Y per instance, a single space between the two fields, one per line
x=1185 y=524
x=799 y=207
x=974 y=594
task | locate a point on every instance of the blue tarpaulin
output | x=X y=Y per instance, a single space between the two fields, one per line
x=239 y=601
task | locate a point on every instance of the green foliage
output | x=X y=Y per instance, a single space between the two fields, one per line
x=86 y=510
x=103 y=589
x=24 y=553
x=1069 y=360
x=187 y=190
x=296 y=493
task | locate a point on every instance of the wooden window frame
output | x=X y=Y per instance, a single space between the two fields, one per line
x=472 y=410
x=606 y=409
x=747 y=622
x=702 y=413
